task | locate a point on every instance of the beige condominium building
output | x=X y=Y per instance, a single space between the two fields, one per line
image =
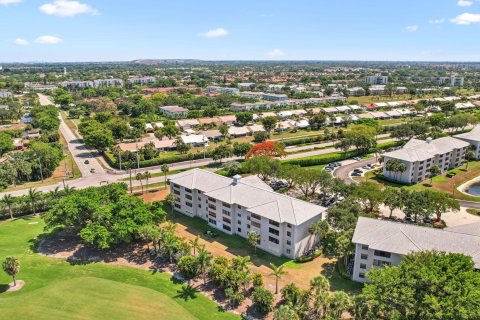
x=381 y=243
x=419 y=156
x=241 y=205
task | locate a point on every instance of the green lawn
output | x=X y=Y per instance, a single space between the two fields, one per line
x=56 y=289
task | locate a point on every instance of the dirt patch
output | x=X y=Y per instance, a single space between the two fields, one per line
x=157 y=195
x=12 y=288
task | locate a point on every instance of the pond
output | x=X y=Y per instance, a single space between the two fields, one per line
x=474 y=189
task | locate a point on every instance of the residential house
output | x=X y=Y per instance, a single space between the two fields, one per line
x=174 y=111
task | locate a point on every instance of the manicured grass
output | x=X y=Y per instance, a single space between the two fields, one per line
x=56 y=289
x=440 y=183
x=475 y=212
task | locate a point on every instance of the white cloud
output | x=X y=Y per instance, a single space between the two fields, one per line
x=65 y=8
x=464 y=3
x=436 y=21
x=7 y=2
x=411 y=28
x=466 y=18
x=275 y=53
x=48 y=40
x=21 y=42
x=214 y=33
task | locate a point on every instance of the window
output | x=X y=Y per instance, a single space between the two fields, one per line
x=248 y=226
x=380 y=263
x=239 y=207
x=239 y=215
x=199 y=205
x=188 y=196
x=189 y=204
x=274 y=223
x=226 y=205
x=225 y=227
x=248 y=218
x=188 y=190
x=289 y=225
x=361 y=275
x=212 y=214
x=289 y=234
x=177 y=192
x=239 y=229
x=226 y=212
x=199 y=199
x=177 y=206
x=256 y=216
x=274 y=231
x=256 y=224
x=288 y=251
x=211 y=199
x=274 y=240
x=212 y=221
x=384 y=254
x=364 y=256
x=364 y=247
x=226 y=220
x=363 y=266
x=289 y=242
x=239 y=222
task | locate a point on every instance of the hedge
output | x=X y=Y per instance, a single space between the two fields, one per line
x=305 y=140
x=309 y=257
x=112 y=161
x=336 y=156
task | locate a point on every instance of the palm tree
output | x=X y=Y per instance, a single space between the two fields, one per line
x=139 y=177
x=55 y=193
x=204 y=260
x=11 y=266
x=170 y=244
x=170 y=200
x=195 y=243
x=33 y=196
x=8 y=201
x=165 y=170
x=241 y=263
x=277 y=272
x=190 y=157
x=147 y=175
x=253 y=239
x=319 y=284
x=339 y=303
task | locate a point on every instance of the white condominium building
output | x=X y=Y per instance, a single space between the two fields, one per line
x=376 y=79
x=381 y=243
x=241 y=205
x=472 y=137
x=77 y=84
x=419 y=156
x=174 y=111
x=5 y=94
x=107 y=83
x=141 y=80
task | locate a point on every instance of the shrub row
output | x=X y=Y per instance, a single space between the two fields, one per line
x=113 y=162
x=305 y=140
x=336 y=156
x=309 y=257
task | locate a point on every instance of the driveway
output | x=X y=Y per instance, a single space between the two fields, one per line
x=343 y=172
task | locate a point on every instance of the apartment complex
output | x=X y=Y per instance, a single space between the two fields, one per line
x=356 y=91
x=381 y=243
x=452 y=81
x=107 y=83
x=419 y=156
x=241 y=205
x=141 y=80
x=77 y=84
x=373 y=80
x=217 y=89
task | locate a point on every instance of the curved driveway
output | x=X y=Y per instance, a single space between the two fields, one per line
x=343 y=172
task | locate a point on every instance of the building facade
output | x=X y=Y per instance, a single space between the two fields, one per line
x=107 y=83
x=373 y=80
x=242 y=205
x=419 y=156
x=174 y=111
x=380 y=243
x=77 y=84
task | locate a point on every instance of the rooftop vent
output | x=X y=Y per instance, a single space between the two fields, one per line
x=236 y=179
x=429 y=140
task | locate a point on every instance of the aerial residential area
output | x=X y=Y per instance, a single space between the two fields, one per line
x=274 y=160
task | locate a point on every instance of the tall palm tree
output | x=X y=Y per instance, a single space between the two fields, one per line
x=68 y=190
x=55 y=193
x=139 y=177
x=195 y=243
x=9 y=201
x=170 y=200
x=165 y=170
x=241 y=263
x=147 y=175
x=204 y=260
x=277 y=272
x=33 y=196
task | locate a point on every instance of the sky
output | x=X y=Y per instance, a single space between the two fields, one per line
x=121 y=30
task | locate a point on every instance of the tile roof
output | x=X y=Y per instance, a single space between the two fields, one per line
x=250 y=193
x=401 y=238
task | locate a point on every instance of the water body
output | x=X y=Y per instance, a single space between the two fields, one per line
x=474 y=189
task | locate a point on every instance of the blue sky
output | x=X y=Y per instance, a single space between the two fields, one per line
x=106 y=30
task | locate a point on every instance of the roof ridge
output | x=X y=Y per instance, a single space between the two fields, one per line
x=410 y=239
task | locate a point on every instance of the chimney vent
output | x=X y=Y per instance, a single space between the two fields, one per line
x=236 y=179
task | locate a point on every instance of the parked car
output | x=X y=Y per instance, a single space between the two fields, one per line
x=92 y=170
x=86 y=162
